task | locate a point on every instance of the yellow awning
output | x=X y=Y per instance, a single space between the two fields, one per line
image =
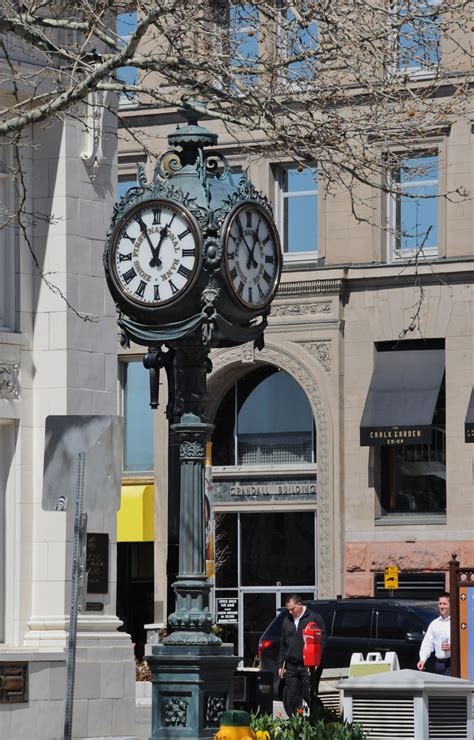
x=135 y=518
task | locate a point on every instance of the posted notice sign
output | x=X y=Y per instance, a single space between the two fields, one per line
x=390 y=576
x=227 y=611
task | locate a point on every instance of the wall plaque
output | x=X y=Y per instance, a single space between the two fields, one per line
x=97 y=563
x=94 y=606
x=13 y=682
x=227 y=611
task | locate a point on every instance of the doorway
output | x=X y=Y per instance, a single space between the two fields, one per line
x=262 y=557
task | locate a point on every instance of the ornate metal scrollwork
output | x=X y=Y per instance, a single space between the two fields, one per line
x=192 y=451
x=212 y=253
x=214 y=708
x=168 y=164
x=175 y=711
x=212 y=161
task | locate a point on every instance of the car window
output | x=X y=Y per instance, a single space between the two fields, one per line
x=326 y=611
x=393 y=625
x=274 y=628
x=328 y=616
x=352 y=623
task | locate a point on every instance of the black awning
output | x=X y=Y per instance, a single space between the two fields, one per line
x=402 y=397
x=469 y=423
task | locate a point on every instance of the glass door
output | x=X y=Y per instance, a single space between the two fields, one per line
x=261 y=558
x=258 y=610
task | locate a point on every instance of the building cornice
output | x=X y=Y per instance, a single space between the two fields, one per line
x=327 y=286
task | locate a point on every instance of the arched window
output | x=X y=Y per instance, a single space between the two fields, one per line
x=264 y=419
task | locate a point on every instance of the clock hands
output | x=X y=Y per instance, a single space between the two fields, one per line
x=155 y=260
x=250 y=251
x=144 y=229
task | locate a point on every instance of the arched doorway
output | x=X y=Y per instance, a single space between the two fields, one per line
x=264 y=500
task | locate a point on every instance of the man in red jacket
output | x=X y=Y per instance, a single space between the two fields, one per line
x=291 y=652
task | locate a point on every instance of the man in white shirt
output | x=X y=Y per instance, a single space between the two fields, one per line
x=438 y=640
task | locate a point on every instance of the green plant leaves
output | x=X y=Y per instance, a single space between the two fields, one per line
x=323 y=724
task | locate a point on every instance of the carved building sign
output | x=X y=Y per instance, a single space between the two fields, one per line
x=264 y=490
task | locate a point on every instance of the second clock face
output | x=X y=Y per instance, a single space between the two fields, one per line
x=155 y=253
x=252 y=255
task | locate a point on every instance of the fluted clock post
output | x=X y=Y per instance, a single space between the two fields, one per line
x=192 y=619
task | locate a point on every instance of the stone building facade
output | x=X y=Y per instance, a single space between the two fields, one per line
x=55 y=362
x=361 y=320
x=337 y=309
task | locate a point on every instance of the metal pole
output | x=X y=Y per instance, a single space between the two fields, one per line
x=79 y=529
x=454 y=612
x=191 y=620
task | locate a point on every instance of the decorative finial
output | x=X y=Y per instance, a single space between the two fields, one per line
x=192 y=134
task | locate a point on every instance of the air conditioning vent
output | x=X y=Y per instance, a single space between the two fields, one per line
x=409 y=704
x=331 y=700
x=385 y=716
x=447 y=717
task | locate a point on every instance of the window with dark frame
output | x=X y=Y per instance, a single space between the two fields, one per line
x=413 y=204
x=298 y=41
x=124 y=183
x=138 y=419
x=244 y=23
x=418 y=35
x=413 y=477
x=297 y=208
x=412 y=585
x=126 y=24
x=7 y=234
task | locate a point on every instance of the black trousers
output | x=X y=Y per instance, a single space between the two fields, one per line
x=296 y=688
x=443 y=667
x=299 y=685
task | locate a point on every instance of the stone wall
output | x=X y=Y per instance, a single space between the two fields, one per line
x=362 y=560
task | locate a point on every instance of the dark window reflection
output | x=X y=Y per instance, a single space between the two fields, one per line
x=226 y=550
x=392 y=625
x=413 y=477
x=277 y=547
x=259 y=610
x=352 y=623
x=223 y=439
x=274 y=422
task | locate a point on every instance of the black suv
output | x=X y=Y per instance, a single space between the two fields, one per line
x=359 y=626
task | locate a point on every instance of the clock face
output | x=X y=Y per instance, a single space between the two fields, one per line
x=252 y=255
x=155 y=253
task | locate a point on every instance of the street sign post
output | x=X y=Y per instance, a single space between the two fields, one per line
x=81 y=454
x=391 y=577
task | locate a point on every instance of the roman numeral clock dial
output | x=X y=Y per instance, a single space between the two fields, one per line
x=252 y=255
x=155 y=253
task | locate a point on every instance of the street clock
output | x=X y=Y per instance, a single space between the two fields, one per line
x=251 y=255
x=193 y=251
x=154 y=255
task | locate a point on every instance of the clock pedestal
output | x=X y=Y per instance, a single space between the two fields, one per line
x=192 y=671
